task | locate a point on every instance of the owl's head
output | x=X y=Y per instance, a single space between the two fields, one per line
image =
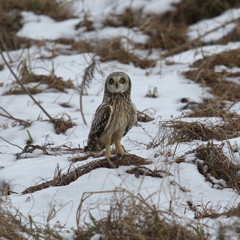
x=118 y=82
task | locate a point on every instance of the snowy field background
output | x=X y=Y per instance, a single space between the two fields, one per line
x=61 y=203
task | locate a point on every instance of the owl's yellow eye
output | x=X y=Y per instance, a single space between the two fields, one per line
x=122 y=80
x=111 y=81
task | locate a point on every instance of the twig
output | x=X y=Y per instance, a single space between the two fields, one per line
x=6 y=50
x=10 y=116
x=22 y=86
x=11 y=143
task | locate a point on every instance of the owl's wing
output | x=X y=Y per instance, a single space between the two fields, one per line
x=133 y=118
x=101 y=120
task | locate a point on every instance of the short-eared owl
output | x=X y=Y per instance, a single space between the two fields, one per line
x=114 y=117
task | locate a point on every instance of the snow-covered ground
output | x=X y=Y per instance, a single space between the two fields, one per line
x=36 y=168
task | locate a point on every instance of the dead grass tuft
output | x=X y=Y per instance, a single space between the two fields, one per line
x=132 y=217
x=51 y=80
x=220 y=83
x=209 y=107
x=214 y=164
x=176 y=131
x=10 y=228
x=61 y=125
x=145 y=116
x=143 y=171
x=208 y=211
x=18 y=227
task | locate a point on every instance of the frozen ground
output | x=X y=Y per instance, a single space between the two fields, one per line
x=37 y=167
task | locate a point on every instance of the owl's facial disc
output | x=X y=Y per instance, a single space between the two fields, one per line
x=117 y=83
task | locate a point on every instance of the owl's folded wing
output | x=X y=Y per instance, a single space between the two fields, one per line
x=101 y=120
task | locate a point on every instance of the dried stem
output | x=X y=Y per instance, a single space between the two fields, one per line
x=87 y=78
x=22 y=86
x=11 y=143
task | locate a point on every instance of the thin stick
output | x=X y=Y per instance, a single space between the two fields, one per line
x=11 y=143
x=22 y=86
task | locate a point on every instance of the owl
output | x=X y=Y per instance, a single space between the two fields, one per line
x=115 y=116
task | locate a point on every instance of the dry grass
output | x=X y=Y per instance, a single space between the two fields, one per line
x=192 y=11
x=233 y=36
x=145 y=115
x=10 y=228
x=10 y=19
x=218 y=82
x=111 y=50
x=132 y=217
x=58 y=10
x=176 y=131
x=215 y=164
x=52 y=81
x=143 y=171
x=23 y=229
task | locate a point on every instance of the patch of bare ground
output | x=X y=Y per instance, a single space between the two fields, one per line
x=10 y=19
x=65 y=179
x=218 y=82
x=132 y=217
x=214 y=165
x=195 y=10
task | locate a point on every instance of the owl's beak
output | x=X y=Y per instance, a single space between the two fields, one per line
x=116 y=85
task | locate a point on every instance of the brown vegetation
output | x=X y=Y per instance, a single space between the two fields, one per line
x=219 y=82
x=133 y=218
x=215 y=164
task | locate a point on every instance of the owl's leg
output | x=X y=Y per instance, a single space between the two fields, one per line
x=108 y=148
x=108 y=151
x=117 y=142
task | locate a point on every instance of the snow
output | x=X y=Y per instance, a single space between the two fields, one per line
x=36 y=168
x=43 y=27
x=213 y=29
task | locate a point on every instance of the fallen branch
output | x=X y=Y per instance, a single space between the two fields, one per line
x=9 y=116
